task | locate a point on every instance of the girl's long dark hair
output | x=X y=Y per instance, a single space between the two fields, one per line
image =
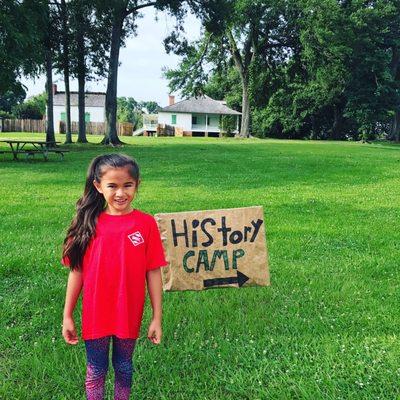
x=90 y=205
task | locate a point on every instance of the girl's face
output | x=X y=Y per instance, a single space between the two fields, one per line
x=118 y=189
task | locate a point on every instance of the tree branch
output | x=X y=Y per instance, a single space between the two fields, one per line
x=203 y=53
x=247 y=46
x=235 y=53
x=134 y=9
x=395 y=61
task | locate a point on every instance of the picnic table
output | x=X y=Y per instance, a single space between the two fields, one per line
x=37 y=147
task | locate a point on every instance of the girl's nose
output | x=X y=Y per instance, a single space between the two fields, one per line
x=120 y=192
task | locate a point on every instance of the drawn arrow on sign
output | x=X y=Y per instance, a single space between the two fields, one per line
x=240 y=279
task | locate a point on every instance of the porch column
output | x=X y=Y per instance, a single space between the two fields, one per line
x=206 y=132
x=237 y=123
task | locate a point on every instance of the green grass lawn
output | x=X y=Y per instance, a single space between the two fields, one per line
x=328 y=326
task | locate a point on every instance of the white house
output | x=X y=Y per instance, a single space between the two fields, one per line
x=196 y=116
x=95 y=107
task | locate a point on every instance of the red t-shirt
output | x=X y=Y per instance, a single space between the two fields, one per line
x=114 y=274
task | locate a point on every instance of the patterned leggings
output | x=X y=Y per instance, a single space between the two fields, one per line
x=97 y=366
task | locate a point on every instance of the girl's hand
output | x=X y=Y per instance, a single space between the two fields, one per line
x=154 y=333
x=69 y=331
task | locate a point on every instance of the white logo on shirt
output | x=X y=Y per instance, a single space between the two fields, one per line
x=136 y=238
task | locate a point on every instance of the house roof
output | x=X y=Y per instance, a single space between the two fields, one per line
x=201 y=104
x=92 y=99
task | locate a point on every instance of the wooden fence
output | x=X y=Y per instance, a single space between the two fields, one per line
x=99 y=128
x=39 y=125
x=22 y=125
x=165 y=130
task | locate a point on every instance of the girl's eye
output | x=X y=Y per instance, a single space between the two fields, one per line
x=127 y=185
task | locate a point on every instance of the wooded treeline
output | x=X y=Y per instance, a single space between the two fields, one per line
x=319 y=69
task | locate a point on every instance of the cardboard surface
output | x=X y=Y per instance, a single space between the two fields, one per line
x=214 y=248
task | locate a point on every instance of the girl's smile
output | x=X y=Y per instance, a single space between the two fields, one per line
x=118 y=188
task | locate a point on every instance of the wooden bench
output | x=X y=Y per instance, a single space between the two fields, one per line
x=30 y=153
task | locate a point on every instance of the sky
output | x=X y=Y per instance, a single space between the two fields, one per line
x=140 y=72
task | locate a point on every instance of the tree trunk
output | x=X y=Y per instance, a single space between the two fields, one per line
x=81 y=108
x=111 y=136
x=395 y=132
x=81 y=80
x=394 y=65
x=242 y=64
x=49 y=89
x=245 y=124
x=68 y=136
x=337 y=122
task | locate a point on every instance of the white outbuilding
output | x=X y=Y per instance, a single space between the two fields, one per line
x=95 y=107
x=196 y=116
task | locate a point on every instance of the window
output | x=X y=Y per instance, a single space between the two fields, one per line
x=87 y=117
x=63 y=117
x=173 y=119
x=194 y=120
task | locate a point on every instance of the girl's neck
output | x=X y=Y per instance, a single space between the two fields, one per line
x=114 y=212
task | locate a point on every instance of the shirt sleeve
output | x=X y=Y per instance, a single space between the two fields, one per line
x=154 y=249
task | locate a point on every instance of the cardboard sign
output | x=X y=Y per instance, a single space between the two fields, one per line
x=214 y=248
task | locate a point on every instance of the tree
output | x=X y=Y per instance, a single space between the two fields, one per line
x=151 y=107
x=48 y=41
x=347 y=55
x=81 y=18
x=251 y=30
x=20 y=43
x=62 y=57
x=28 y=110
x=123 y=15
x=88 y=49
x=393 y=44
x=328 y=69
x=128 y=110
x=33 y=108
x=12 y=98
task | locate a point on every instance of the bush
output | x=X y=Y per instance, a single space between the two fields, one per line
x=5 y=115
x=28 y=110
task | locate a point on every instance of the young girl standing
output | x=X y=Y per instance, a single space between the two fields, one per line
x=112 y=250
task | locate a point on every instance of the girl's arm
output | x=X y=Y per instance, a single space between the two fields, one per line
x=154 y=287
x=74 y=287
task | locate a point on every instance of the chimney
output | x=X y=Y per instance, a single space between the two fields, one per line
x=54 y=88
x=171 y=100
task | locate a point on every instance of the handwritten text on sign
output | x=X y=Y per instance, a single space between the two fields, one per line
x=214 y=248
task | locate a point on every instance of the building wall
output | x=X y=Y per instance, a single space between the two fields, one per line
x=97 y=114
x=183 y=120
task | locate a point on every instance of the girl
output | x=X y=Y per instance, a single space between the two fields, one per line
x=111 y=250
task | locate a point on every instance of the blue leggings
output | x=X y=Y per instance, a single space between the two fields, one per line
x=97 y=366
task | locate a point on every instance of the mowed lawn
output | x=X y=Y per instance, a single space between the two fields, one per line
x=327 y=327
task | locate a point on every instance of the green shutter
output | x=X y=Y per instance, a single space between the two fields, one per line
x=173 y=119
x=87 y=117
x=63 y=117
